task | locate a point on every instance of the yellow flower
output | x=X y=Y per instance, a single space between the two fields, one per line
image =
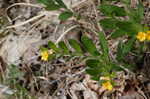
x=141 y=36
x=44 y=55
x=107 y=85
x=148 y=35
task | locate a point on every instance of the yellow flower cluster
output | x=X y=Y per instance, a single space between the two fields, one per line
x=45 y=54
x=142 y=36
x=107 y=85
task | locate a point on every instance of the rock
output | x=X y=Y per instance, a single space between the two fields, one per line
x=15 y=46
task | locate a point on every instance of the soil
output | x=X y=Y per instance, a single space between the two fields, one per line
x=60 y=78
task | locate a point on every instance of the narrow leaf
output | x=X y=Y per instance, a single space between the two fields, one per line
x=137 y=14
x=89 y=46
x=124 y=49
x=61 y=3
x=74 y=44
x=92 y=63
x=110 y=10
x=96 y=78
x=127 y=47
x=120 y=51
x=118 y=33
x=64 y=47
x=53 y=46
x=50 y=4
x=126 y=1
x=93 y=71
x=65 y=15
x=43 y=48
x=129 y=27
x=103 y=44
x=108 y=23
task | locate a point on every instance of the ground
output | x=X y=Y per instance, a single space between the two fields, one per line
x=25 y=26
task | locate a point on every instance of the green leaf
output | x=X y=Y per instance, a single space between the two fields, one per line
x=130 y=66
x=108 y=23
x=74 y=44
x=93 y=71
x=110 y=10
x=43 y=48
x=53 y=46
x=120 y=51
x=118 y=33
x=124 y=49
x=50 y=4
x=130 y=28
x=54 y=7
x=61 y=3
x=65 y=15
x=115 y=67
x=92 y=63
x=64 y=47
x=96 y=78
x=50 y=57
x=89 y=46
x=128 y=46
x=126 y=1
x=107 y=1
x=103 y=44
x=137 y=15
